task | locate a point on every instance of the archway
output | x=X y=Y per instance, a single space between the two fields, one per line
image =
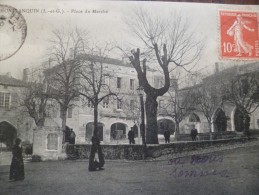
x=118 y=131
x=238 y=120
x=165 y=124
x=220 y=121
x=194 y=121
x=194 y=118
x=89 y=131
x=8 y=134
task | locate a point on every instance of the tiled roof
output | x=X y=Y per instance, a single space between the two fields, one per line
x=10 y=81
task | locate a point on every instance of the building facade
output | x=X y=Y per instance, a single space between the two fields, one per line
x=226 y=117
x=116 y=116
x=14 y=120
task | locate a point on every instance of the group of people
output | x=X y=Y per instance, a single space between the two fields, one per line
x=17 y=165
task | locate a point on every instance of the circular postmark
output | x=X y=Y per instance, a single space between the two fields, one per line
x=13 y=30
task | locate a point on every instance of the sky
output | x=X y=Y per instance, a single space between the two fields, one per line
x=110 y=26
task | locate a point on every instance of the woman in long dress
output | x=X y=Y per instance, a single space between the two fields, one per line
x=237 y=30
x=17 y=165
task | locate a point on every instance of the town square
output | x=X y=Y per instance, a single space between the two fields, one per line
x=128 y=97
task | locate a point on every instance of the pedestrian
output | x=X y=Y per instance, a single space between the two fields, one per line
x=72 y=137
x=194 y=133
x=167 y=136
x=131 y=136
x=96 y=149
x=17 y=165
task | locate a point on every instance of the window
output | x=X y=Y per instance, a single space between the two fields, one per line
x=132 y=84
x=161 y=104
x=106 y=103
x=52 y=141
x=90 y=104
x=69 y=112
x=106 y=80
x=132 y=104
x=119 y=105
x=118 y=82
x=5 y=100
x=48 y=111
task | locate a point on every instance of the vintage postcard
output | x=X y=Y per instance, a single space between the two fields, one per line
x=128 y=97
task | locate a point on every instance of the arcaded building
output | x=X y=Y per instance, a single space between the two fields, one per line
x=115 y=116
x=226 y=118
x=14 y=120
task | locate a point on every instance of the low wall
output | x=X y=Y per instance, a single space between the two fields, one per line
x=135 y=152
x=130 y=152
x=206 y=136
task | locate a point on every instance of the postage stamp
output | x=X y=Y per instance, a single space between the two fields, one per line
x=13 y=30
x=238 y=35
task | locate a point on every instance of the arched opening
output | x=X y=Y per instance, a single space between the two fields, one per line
x=194 y=118
x=165 y=124
x=239 y=120
x=118 y=131
x=8 y=134
x=220 y=121
x=89 y=131
x=67 y=134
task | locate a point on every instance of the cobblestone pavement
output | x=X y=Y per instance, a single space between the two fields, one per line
x=232 y=171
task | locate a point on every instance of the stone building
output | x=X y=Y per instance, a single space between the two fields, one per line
x=14 y=121
x=116 y=117
x=225 y=118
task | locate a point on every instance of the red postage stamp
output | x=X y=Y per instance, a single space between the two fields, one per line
x=239 y=35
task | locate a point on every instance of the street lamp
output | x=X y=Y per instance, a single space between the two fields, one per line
x=140 y=91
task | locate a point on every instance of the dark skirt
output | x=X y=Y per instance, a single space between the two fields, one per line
x=17 y=169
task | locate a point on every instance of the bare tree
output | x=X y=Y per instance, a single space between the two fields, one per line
x=63 y=77
x=92 y=82
x=182 y=103
x=95 y=89
x=242 y=91
x=165 y=42
x=209 y=99
x=35 y=98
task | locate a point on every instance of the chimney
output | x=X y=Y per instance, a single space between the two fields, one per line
x=25 y=77
x=216 y=68
x=8 y=74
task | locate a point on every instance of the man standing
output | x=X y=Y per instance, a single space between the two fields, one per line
x=194 y=133
x=72 y=137
x=131 y=136
x=167 y=136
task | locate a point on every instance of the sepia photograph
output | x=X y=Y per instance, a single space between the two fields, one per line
x=129 y=97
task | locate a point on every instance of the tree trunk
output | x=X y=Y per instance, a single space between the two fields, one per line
x=246 y=125
x=64 y=121
x=96 y=147
x=151 y=113
x=177 y=130
x=210 y=129
x=96 y=130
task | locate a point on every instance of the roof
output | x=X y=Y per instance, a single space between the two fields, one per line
x=105 y=60
x=10 y=81
x=234 y=71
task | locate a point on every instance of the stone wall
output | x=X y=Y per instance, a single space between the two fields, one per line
x=206 y=136
x=135 y=152
x=112 y=152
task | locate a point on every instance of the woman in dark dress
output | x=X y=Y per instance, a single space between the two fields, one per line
x=17 y=166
